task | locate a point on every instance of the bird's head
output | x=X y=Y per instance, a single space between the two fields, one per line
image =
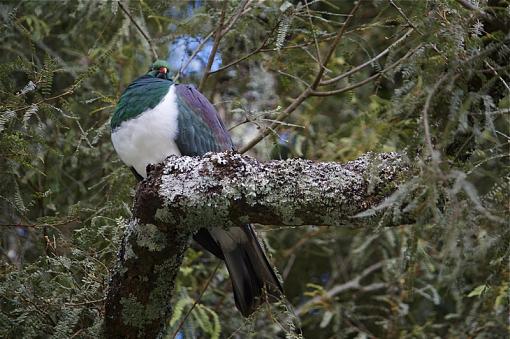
x=159 y=69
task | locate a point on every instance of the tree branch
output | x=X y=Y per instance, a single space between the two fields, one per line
x=355 y=283
x=255 y=51
x=472 y=7
x=365 y=64
x=142 y=32
x=367 y=80
x=217 y=38
x=226 y=190
x=306 y=93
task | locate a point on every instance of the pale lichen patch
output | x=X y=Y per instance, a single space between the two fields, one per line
x=136 y=314
x=150 y=237
x=129 y=253
x=204 y=191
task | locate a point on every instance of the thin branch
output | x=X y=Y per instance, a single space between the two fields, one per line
x=85 y=302
x=497 y=74
x=306 y=93
x=367 y=80
x=231 y=22
x=211 y=276
x=472 y=7
x=401 y=12
x=283 y=123
x=67 y=92
x=242 y=10
x=369 y=62
x=62 y=223
x=217 y=38
x=268 y=36
x=291 y=108
x=425 y=115
x=304 y=239
x=142 y=32
x=348 y=88
x=239 y=124
x=317 y=50
x=293 y=77
x=335 y=43
x=354 y=283
x=193 y=55
x=323 y=38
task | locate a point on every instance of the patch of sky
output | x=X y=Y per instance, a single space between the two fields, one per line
x=181 y=48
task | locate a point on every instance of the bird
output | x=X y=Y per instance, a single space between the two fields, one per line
x=155 y=118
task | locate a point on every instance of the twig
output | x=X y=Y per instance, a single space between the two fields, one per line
x=351 y=284
x=409 y=22
x=288 y=266
x=369 y=62
x=242 y=9
x=62 y=223
x=20 y=225
x=472 y=7
x=305 y=238
x=193 y=55
x=142 y=32
x=335 y=43
x=67 y=92
x=85 y=302
x=348 y=88
x=317 y=50
x=196 y=301
x=425 y=115
x=268 y=36
x=239 y=124
x=367 y=80
x=231 y=22
x=306 y=93
x=498 y=75
x=293 y=77
x=283 y=123
x=217 y=38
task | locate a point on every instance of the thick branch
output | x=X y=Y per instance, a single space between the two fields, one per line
x=226 y=189
x=139 y=292
x=184 y=194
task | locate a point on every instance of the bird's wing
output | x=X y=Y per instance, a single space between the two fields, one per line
x=200 y=128
x=253 y=279
x=135 y=100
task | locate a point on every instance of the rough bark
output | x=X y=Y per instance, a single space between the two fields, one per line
x=224 y=190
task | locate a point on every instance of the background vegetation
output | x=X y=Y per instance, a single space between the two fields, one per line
x=439 y=92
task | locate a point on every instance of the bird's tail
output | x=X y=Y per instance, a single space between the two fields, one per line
x=253 y=279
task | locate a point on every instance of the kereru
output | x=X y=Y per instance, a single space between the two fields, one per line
x=155 y=118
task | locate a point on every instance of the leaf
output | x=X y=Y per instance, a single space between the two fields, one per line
x=285 y=6
x=5 y=117
x=28 y=88
x=478 y=291
x=179 y=308
x=114 y=7
x=31 y=111
x=326 y=319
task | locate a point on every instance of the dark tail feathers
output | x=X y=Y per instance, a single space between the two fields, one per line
x=253 y=278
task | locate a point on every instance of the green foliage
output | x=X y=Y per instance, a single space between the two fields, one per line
x=442 y=273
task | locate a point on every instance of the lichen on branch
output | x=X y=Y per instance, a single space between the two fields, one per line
x=227 y=189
